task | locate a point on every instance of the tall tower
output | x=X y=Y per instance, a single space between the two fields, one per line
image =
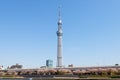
x=59 y=44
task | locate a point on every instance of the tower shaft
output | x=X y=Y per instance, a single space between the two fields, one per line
x=59 y=52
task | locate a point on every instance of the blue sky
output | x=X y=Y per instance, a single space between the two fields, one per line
x=28 y=32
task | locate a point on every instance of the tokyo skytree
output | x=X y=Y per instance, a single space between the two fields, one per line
x=59 y=42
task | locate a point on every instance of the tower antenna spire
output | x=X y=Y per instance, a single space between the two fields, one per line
x=60 y=12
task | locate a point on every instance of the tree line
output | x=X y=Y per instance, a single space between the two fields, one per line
x=79 y=72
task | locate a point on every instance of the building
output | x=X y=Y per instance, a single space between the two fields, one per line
x=49 y=63
x=59 y=44
x=70 y=66
x=43 y=67
x=1 y=68
x=16 y=66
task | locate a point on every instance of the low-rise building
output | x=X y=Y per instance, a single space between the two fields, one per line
x=16 y=66
x=1 y=67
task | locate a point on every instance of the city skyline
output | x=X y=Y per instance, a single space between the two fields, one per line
x=28 y=32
